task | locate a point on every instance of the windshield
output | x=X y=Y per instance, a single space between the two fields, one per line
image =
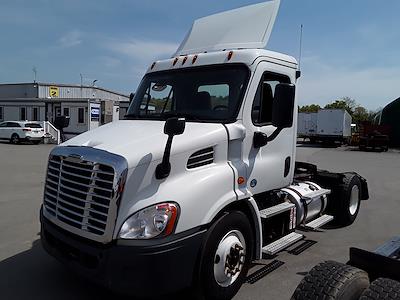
x=211 y=94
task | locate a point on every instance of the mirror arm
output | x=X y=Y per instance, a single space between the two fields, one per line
x=164 y=168
x=274 y=134
x=260 y=139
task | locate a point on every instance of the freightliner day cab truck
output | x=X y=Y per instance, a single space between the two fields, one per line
x=190 y=192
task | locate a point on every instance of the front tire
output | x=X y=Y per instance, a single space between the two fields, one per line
x=226 y=257
x=332 y=280
x=15 y=139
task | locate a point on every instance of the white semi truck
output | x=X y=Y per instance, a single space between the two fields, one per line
x=200 y=178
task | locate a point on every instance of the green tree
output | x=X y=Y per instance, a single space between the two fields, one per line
x=310 y=108
x=346 y=103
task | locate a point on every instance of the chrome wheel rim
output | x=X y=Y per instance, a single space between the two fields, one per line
x=354 y=200
x=229 y=258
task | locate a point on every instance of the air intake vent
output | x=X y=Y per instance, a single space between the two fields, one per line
x=201 y=158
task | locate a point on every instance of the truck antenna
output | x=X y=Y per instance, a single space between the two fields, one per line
x=301 y=45
x=298 y=72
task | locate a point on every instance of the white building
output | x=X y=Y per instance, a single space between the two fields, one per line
x=87 y=106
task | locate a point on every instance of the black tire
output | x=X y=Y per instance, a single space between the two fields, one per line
x=340 y=204
x=332 y=280
x=15 y=139
x=207 y=287
x=382 y=289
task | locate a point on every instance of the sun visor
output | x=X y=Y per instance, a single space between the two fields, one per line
x=246 y=27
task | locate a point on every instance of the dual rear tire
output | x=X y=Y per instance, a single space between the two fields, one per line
x=335 y=281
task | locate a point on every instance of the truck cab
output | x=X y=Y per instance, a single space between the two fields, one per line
x=200 y=177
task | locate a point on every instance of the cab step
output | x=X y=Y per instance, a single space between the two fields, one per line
x=276 y=210
x=282 y=243
x=317 y=223
x=316 y=194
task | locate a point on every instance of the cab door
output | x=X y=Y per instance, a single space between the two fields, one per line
x=271 y=166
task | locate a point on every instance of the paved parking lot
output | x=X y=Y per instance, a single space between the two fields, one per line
x=26 y=272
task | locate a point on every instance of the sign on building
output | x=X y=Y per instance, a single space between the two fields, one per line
x=54 y=92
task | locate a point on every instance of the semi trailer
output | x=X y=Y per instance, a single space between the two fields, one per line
x=326 y=125
x=200 y=178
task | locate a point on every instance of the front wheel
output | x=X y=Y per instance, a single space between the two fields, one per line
x=15 y=139
x=226 y=257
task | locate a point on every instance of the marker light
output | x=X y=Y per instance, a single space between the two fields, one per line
x=194 y=59
x=153 y=65
x=184 y=60
x=175 y=61
x=230 y=54
x=154 y=221
x=241 y=180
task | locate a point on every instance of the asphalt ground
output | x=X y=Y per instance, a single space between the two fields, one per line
x=27 y=272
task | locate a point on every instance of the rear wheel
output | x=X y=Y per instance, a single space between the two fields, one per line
x=15 y=139
x=226 y=257
x=334 y=281
x=382 y=289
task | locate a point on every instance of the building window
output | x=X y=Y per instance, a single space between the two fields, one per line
x=81 y=115
x=22 y=113
x=66 y=111
x=1 y=113
x=35 y=114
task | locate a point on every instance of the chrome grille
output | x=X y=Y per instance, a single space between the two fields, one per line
x=81 y=193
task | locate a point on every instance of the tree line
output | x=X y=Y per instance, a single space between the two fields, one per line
x=357 y=112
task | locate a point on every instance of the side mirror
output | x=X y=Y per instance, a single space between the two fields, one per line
x=283 y=107
x=174 y=126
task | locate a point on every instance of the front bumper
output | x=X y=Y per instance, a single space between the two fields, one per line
x=137 y=268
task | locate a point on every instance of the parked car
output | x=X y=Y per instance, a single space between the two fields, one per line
x=18 y=131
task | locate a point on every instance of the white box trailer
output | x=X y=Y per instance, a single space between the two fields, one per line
x=326 y=125
x=333 y=125
x=307 y=125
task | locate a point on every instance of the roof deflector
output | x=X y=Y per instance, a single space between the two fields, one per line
x=246 y=27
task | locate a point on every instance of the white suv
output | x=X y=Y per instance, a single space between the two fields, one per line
x=18 y=131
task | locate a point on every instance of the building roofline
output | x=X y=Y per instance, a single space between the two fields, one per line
x=66 y=85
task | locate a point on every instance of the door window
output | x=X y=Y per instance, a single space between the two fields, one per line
x=263 y=102
x=1 y=113
x=66 y=111
x=3 y=124
x=13 y=125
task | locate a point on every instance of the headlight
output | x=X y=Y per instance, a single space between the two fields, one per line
x=154 y=221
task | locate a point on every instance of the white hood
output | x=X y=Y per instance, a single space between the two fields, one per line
x=134 y=139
